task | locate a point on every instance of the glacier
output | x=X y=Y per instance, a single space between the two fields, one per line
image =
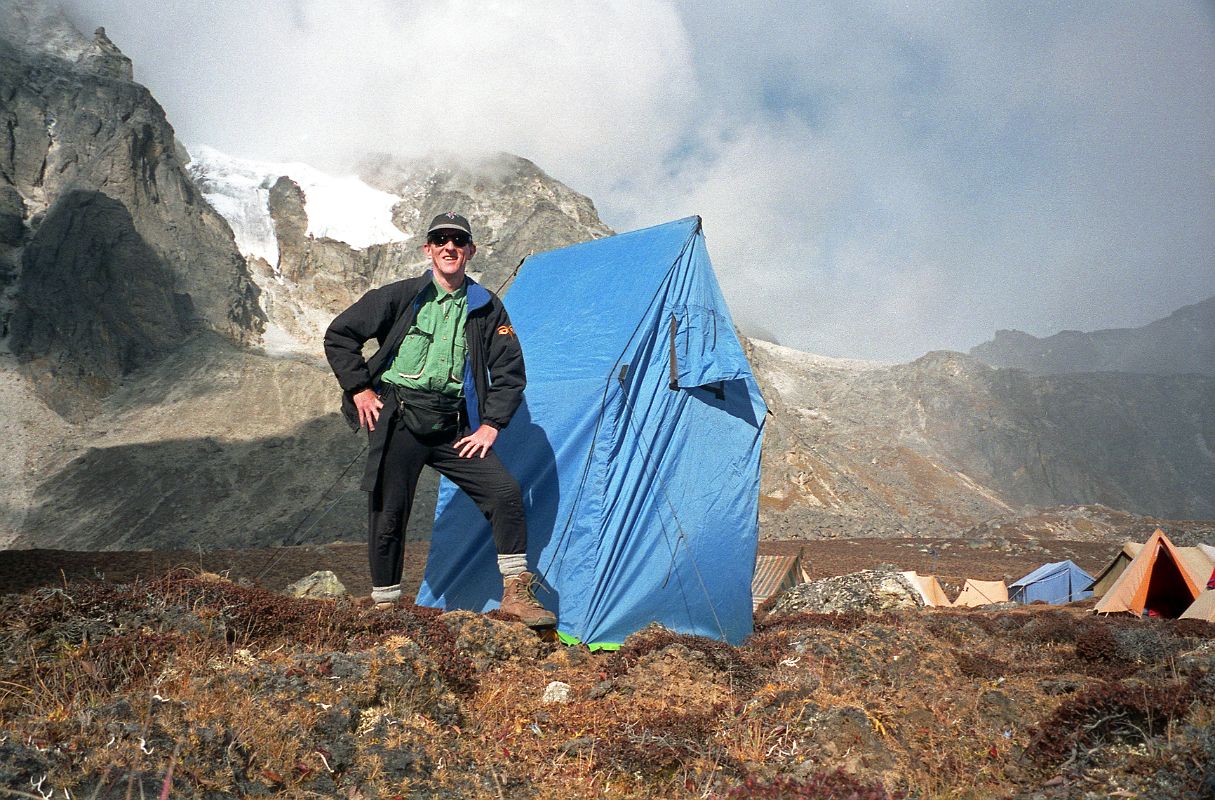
x=338 y=207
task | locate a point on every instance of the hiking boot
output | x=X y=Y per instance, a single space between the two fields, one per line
x=519 y=600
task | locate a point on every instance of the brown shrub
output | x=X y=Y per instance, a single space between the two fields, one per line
x=981 y=665
x=1106 y=713
x=251 y=616
x=1097 y=644
x=837 y=622
x=1192 y=628
x=1049 y=628
x=664 y=740
x=719 y=655
x=836 y=785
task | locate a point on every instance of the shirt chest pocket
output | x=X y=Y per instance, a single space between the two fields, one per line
x=411 y=358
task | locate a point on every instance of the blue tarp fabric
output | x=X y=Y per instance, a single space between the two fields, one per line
x=1060 y=582
x=637 y=447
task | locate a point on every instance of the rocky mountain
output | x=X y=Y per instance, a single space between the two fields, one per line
x=317 y=242
x=149 y=297
x=1183 y=342
x=515 y=208
x=857 y=449
x=112 y=258
x=161 y=387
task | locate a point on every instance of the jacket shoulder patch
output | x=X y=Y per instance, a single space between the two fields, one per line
x=506 y=330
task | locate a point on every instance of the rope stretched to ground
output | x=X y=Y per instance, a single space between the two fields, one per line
x=278 y=552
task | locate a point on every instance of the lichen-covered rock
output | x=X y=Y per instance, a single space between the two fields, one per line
x=869 y=591
x=319 y=585
x=850 y=735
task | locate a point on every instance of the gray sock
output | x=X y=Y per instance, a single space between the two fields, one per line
x=386 y=594
x=512 y=565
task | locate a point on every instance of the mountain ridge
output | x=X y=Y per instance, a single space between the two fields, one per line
x=1183 y=342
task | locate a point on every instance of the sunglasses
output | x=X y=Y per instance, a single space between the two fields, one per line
x=443 y=237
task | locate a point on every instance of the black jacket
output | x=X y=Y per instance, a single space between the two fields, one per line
x=494 y=375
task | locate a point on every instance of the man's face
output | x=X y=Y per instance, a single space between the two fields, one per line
x=449 y=252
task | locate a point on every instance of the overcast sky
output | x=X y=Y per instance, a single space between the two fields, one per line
x=877 y=180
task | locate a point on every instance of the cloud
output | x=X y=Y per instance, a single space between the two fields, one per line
x=326 y=81
x=876 y=179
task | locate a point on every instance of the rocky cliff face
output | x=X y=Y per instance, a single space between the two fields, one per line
x=514 y=207
x=109 y=258
x=1183 y=342
x=95 y=192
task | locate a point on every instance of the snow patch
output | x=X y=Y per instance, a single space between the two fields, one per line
x=808 y=360
x=338 y=207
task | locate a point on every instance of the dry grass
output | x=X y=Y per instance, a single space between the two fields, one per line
x=215 y=689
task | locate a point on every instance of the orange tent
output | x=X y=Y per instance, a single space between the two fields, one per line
x=1155 y=582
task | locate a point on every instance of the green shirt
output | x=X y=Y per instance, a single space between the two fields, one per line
x=431 y=357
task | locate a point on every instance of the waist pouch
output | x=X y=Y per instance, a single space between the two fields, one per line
x=427 y=413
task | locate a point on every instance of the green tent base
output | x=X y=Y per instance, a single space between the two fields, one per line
x=593 y=646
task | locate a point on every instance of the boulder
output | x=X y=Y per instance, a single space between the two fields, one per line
x=319 y=585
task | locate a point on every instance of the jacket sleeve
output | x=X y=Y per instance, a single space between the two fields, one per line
x=370 y=317
x=507 y=375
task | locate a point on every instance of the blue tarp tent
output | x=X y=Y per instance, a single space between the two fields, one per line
x=637 y=447
x=1060 y=582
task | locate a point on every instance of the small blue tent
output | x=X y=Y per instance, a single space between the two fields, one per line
x=637 y=447
x=1060 y=582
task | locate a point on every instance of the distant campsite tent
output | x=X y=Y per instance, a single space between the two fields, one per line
x=1059 y=582
x=1203 y=608
x=1156 y=582
x=929 y=588
x=637 y=447
x=1196 y=561
x=981 y=593
x=1105 y=579
x=775 y=574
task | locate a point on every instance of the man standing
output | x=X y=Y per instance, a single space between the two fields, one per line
x=447 y=377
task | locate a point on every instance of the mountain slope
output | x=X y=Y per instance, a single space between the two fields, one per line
x=946 y=441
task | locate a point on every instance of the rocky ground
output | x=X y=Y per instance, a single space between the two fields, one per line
x=189 y=685
x=1030 y=702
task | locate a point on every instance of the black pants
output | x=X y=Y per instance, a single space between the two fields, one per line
x=484 y=480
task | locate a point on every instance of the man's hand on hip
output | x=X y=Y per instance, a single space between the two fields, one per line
x=478 y=442
x=369 y=404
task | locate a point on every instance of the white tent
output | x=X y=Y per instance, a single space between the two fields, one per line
x=929 y=588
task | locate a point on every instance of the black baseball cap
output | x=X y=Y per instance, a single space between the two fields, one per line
x=449 y=221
